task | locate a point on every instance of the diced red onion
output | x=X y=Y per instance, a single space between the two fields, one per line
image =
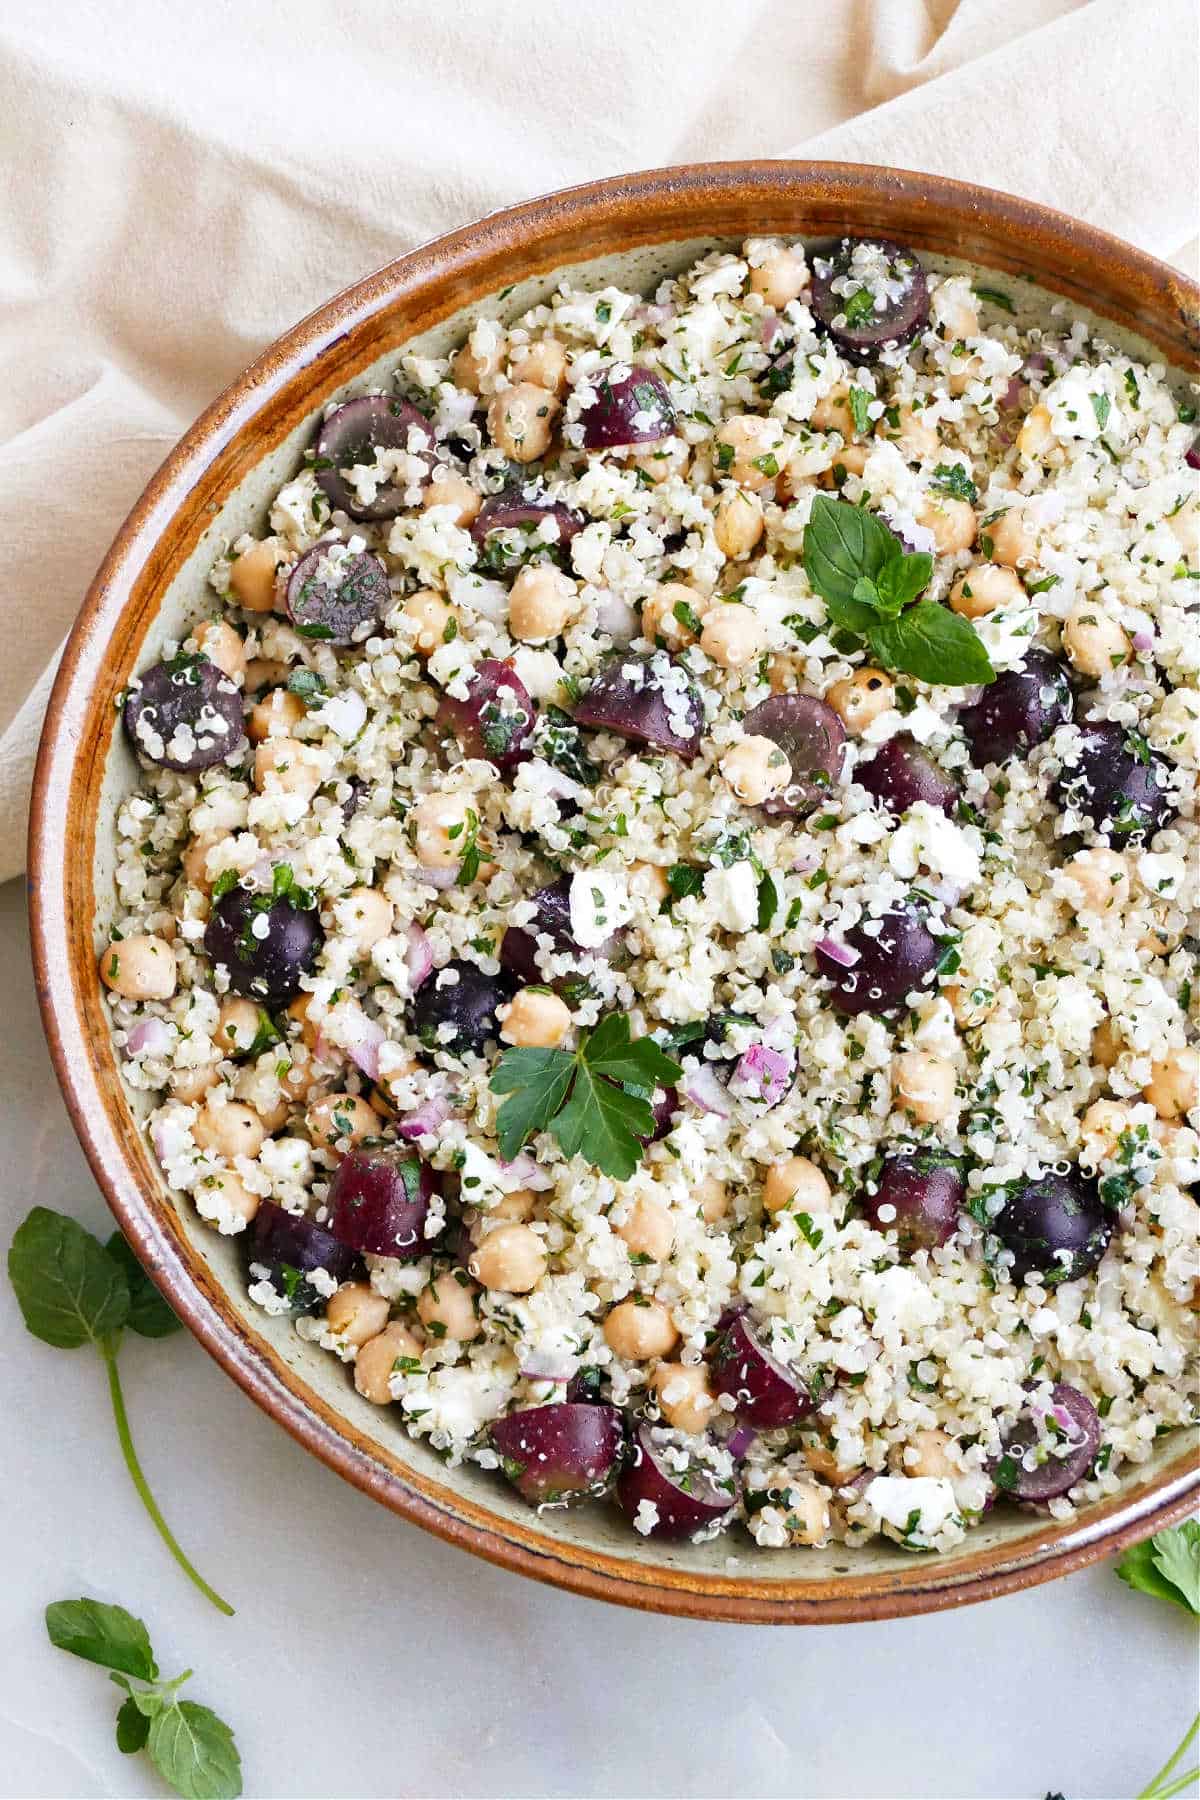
x=705 y=1091
x=527 y=1172
x=765 y=1073
x=1036 y=363
x=770 y=330
x=424 y=1121
x=651 y=313
x=439 y=878
x=1014 y=394
x=152 y=1037
x=739 y=1442
x=842 y=954
x=1143 y=640
x=364 y=1037
x=418 y=958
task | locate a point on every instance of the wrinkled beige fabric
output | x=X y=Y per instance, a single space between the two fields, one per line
x=183 y=182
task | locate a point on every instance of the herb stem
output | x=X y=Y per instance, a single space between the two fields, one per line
x=108 y=1350
x=1156 y=1791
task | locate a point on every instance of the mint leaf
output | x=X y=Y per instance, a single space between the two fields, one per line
x=952 y=478
x=683 y=880
x=102 y=1634
x=194 y=1751
x=133 y=1727
x=860 y=400
x=1101 y=406
x=842 y=543
x=859 y=306
x=1167 y=1566
x=857 y=614
x=69 y=1289
x=537 y=1081
x=768 y=902
x=149 y=1314
x=934 y=644
x=996 y=298
x=903 y=579
x=604 y=1123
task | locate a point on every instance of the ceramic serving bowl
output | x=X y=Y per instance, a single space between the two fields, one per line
x=217 y=483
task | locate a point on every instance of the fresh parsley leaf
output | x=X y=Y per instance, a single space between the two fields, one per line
x=860 y=401
x=860 y=306
x=149 y=1314
x=538 y=1082
x=952 y=478
x=195 y=1752
x=996 y=298
x=1167 y=1566
x=102 y=1634
x=307 y=685
x=768 y=902
x=683 y=880
x=934 y=644
x=603 y=1123
x=1101 y=406
x=638 y=1062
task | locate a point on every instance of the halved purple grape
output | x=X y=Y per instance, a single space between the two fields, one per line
x=870 y=295
x=901 y=773
x=665 y=1501
x=184 y=715
x=1018 y=710
x=1191 y=455
x=496 y=719
x=510 y=512
x=266 y=943
x=767 y=1393
x=632 y=407
x=331 y=597
x=647 y=699
x=1049 y=1452
x=664 y=1108
x=518 y=947
x=918 y=1200
x=378 y=1201
x=565 y=1451
x=895 y=958
x=466 y=1005
x=813 y=739
x=1117 y=783
x=351 y=435
x=291 y=1247
x=1056 y=1225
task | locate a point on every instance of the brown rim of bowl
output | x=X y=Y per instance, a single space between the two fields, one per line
x=996 y=230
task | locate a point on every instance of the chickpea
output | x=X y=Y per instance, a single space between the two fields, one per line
x=648 y=1229
x=732 y=635
x=851 y=459
x=954 y=311
x=713 y=1196
x=780 y=277
x=1172 y=1089
x=287 y=765
x=1094 y=642
x=861 y=698
x=252 y=576
x=230 y=1130
x=964 y=371
x=377 y=1358
x=264 y=672
x=448 y=488
x=141 y=967
x=807 y=1513
x=1106 y=1046
x=446 y=1307
x=1013 y=538
x=438 y=827
x=833 y=412
x=756 y=770
x=1100 y=1128
x=660 y=619
x=797 y=1184
x=746 y=449
x=1036 y=435
x=356 y=1313
x=649 y=882
x=737 y=522
x=365 y=915
x=1185 y=528
x=1159 y=940
x=521 y=421
x=510 y=1209
x=272 y=1118
x=435 y=622
x=302 y=1078
x=334 y=1118
x=222 y=645
x=544 y=364
x=541 y=604
x=191 y=1085
x=223 y=1194
x=823 y=1461
x=970 y=1006
x=636 y=1329
x=276 y=715
x=536 y=1020
x=925 y=1085
x=237 y=1025
x=1102 y=879
x=659 y=462
x=983 y=588
x=931 y=1453
x=915 y=433
x=685 y=1399
x=476 y=370
x=511 y=1258
x=951 y=521
x=310 y=1030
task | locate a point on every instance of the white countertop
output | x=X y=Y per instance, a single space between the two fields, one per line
x=367 y=1658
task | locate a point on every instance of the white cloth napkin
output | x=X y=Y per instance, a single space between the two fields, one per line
x=183 y=182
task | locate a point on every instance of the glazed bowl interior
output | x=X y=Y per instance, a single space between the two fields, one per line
x=218 y=483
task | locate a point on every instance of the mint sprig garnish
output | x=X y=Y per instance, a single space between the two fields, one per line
x=192 y=1749
x=871 y=586
x=594 y=1099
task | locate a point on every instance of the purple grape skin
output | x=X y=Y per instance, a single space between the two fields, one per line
x=926 y=1193
x=1057 y=1474
x=508 y=512
x=469 y=1004
x=609 y=422
x=1017 y=711
x=378 y=1201
x=768 y=1395
x=351 y=434
x=284 y=1241
x=1191 y=455
x=812 y=737
x=518 y=947
x=334 y=614
x=898 y=323
x=1114 y=788
x=568 y=1450
x=1056 y=1214
x=890 y=967
x=488 y=726
x=190 y=691
x=901 y=773
x=614 y=703
x=268 y=969
x=681 y=1511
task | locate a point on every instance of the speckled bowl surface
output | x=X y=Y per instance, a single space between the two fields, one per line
x=218 y=482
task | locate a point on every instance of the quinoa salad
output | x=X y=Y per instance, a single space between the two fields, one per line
x=656 y=900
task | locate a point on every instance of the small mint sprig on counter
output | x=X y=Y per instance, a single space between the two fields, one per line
x=192 y=1749
x=74 y=1290
x=871 y=586
x=595 y=1099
